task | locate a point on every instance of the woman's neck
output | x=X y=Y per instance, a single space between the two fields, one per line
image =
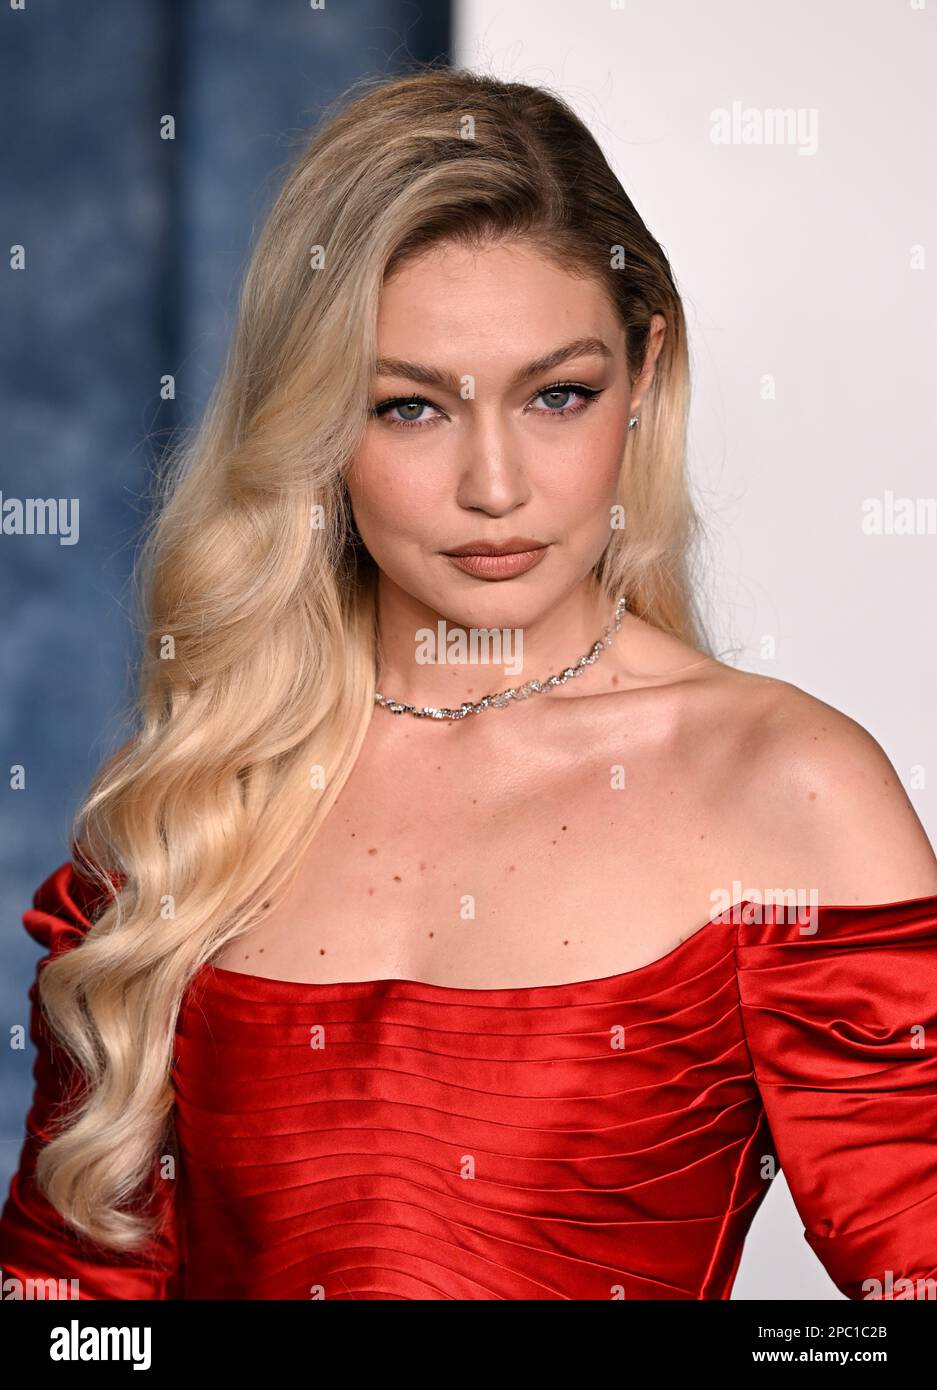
x=430 y=658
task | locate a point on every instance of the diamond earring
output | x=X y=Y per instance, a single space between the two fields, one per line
x=633 y=421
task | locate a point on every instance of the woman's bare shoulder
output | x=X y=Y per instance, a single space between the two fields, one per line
x=803 y=794
x=821 y=790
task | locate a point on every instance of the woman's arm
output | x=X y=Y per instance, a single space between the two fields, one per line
x=840 y=1010
x=35 y=1243
x=840 y=1016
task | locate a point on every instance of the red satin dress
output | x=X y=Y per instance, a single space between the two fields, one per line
x=612 y=1138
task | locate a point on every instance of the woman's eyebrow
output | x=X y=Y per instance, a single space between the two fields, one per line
x=431 y=376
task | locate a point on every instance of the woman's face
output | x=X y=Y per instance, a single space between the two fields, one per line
x=499 y=414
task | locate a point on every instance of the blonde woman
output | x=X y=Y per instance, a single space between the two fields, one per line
x=362 y=985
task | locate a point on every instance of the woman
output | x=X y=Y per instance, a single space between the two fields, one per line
x=382 y=989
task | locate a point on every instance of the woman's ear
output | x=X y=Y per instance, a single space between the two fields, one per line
x=655 y=342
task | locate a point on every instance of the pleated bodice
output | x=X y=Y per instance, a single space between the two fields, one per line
x=602 y=1139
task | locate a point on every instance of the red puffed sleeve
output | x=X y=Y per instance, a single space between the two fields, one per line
x=35 y=1242
x=840 y=1016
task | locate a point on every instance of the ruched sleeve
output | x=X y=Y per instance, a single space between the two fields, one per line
x=35 y=1242
x=840 y=1017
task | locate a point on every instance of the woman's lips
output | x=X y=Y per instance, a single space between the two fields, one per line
x=499 y=566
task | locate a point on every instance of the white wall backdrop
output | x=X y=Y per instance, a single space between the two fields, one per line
x=804 y=252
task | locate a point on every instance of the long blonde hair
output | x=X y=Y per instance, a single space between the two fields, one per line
x=261 y=650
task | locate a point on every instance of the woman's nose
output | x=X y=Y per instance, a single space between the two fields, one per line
x=492 y=472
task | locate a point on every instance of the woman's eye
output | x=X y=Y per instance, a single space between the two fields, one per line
x=560 y=401
x=405 y=410
x=565 y=398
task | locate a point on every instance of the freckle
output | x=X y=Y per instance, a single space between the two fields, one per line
x=422 y=868
x=552 y=842
x=511 y=868
x=321 y=951
x=261 y=950
x=562 y=827
x=372 y=851
x=352 y=834
x=614 y=680
x=812 y=796
x=397 y=878
x=565 y=943
x=370 y=892
x=266 y=905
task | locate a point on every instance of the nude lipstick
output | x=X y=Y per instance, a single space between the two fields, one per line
x=505 y=560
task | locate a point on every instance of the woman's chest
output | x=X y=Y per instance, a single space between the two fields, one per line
x=499 y=873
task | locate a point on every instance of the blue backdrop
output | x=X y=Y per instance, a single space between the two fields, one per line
x=126 y=252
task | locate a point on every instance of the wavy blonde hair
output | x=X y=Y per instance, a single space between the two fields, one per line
x=261 y=649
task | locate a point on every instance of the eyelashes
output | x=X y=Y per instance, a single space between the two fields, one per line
x=587 y=394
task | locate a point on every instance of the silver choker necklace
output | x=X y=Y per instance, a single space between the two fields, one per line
x=518 y=692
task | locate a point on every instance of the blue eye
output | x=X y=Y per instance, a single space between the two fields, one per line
x=409 y=408
x=408 y=412
x=549 y=397
x=557 y=398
